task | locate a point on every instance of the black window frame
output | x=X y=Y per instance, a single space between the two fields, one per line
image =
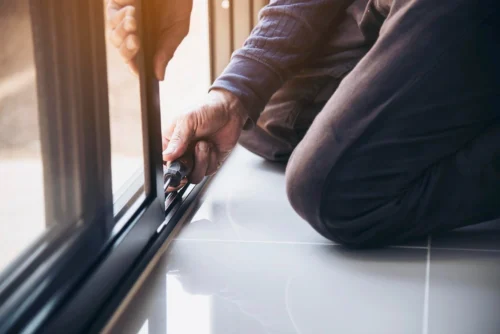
x=79 y=275
x=73 y=278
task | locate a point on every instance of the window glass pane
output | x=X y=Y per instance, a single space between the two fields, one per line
x=126 y=127
x=188 y=74
x=22 y=208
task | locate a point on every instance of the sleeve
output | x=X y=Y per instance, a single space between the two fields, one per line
x=287 y=34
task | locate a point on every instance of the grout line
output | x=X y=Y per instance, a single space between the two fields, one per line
x=468 y=249
x=259 y=241
x=272 y=242
x=425 y=321
x=409 y=247
x=326 y=243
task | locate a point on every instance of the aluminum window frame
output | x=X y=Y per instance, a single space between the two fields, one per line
x=74 y=276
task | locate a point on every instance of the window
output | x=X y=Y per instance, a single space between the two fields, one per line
x=22 y=219
x=82 y=207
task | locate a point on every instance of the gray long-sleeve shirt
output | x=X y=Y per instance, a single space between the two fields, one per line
x=288 y=33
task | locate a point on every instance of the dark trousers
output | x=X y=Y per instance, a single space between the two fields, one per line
x=395 y=127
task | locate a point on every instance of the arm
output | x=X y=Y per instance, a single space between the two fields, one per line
x=287 y=34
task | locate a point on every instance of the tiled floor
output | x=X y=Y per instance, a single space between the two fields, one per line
x=247 y=264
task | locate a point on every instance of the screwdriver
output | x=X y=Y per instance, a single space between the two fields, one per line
x=175 y=171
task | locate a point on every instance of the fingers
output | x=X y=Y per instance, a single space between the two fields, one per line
x=123 y=25
x=180 y=139
x=202 y=154
x=127 y=26
x=205 y=162
x=132 y=65
x=116 y=11
x=168 y=129
x=167 y=133
x=168 y=43
x=129 y=48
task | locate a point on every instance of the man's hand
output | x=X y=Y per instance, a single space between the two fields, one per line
x=212 y=130
x=173 y=24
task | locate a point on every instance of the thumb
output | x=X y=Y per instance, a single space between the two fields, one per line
x=160 y=64
x=178 y=143
x=168 y=42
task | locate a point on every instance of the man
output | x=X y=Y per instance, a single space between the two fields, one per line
x=391 y=109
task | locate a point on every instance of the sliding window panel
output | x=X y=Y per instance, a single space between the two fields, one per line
x=102 y=286
x=73 y=276
x=75 y=150
x=22 y=198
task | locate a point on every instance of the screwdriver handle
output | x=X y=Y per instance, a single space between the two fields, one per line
x=178 y=169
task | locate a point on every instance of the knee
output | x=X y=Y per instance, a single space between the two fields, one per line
x=305 y=191
x=299 y=191
x=313 y=201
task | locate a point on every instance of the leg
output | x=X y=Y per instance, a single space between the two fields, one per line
x=291 y=111
x=409 y=144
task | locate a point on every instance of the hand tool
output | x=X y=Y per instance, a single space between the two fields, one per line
x=175 y=171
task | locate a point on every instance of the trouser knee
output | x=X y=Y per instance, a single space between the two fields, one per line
x=313 y=201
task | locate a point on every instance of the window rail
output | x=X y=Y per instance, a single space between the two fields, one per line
x=74 y=276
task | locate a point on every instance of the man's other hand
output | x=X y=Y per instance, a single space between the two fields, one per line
x=173 y=24
x=211 y=129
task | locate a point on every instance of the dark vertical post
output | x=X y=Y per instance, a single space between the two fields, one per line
x=150 y=97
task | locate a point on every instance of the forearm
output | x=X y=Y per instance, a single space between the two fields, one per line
x=287 y=34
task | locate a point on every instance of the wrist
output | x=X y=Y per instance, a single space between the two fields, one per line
x=232 y=104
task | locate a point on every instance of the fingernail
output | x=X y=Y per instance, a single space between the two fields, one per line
x=131 y=44
x=170 y=149
x=202 y=146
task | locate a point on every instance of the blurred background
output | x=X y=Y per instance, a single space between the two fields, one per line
x=22 y=216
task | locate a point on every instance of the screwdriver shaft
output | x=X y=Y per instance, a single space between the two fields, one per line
x=167 y=183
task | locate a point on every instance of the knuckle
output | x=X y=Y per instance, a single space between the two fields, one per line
x=130 y=24
x=126 y=54
x=129 y=46
x=129 y=10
